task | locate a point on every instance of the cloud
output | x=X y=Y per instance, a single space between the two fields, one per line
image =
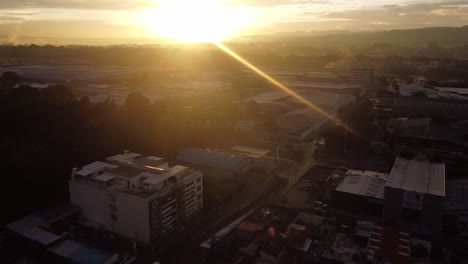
x=76 y=4
x=443 y=13
x=10 y=18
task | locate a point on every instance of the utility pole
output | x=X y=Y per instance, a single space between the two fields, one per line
x=346 y=132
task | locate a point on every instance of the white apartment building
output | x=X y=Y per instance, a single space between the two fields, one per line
x=140 y=198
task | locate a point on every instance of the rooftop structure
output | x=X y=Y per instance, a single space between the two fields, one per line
x=80 y=253
x=250 y=152
x=43 y=230
x=319 y=174
x=35 y=227
x=365 y=183
x=415 y=193
x=418 y=176
x=140 y=198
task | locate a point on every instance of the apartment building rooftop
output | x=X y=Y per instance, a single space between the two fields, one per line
x=120 y=171
x=166 y=175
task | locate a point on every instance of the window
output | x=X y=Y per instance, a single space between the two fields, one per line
x=198 y=188
x=198 y=179
x=113 y=208
x=155 y=213
x=199 y=197
x=100 y=172
x=112 y=198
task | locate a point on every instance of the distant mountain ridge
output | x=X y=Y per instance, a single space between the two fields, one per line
x=444 y=36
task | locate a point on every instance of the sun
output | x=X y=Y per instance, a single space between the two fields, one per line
x=195 y=20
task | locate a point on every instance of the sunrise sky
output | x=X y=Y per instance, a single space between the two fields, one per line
x=126 y=19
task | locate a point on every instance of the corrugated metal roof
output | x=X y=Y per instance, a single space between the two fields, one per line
x=366 y=183
x=29 y=228
x=104 y=177
x=418 y=176
x=251 y=152
x=124 y=157
x=210 y=158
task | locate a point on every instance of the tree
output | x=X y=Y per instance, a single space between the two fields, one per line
x=11 y=76
x=136 y=103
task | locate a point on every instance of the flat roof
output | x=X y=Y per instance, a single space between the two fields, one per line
x=93 y=167
x=365 y=183
x=418 y=176
x=80 y=253
x=126 y=171
x=319 y=173
x=251 y=152
x=29 y=227
x=124 y=157
x=104 y=177
x=155 y=178
x=212 y=158
x=149 y=161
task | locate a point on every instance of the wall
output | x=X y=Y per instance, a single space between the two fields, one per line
x=393 y=201
x=132 y=217
x=431 y=214
x=92 y=201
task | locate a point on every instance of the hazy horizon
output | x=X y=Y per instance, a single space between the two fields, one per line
x=146 y=21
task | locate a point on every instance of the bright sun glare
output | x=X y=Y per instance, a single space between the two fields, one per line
x=196 y=20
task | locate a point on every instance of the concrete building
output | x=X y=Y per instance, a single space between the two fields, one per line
x=414 y=193
x=361 y=192
x=43 y=233
x=424 y=136
x=139 y=198
x=385 y=244
x=414 y=107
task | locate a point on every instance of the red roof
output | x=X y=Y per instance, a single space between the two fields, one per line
x=251 y=227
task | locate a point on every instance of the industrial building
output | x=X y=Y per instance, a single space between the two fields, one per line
x=414 y=193
x=142 y=199
x=215 y=163
x=361 y=192
x=46 y=239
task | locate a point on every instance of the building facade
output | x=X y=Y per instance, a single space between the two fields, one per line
x=140 y=198
x=414 y=193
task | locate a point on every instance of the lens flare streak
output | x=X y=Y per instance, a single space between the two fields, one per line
x=283 y=87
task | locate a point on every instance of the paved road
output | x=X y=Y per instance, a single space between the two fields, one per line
x=185 y=249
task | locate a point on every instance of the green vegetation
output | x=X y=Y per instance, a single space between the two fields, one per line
x=45 y=133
